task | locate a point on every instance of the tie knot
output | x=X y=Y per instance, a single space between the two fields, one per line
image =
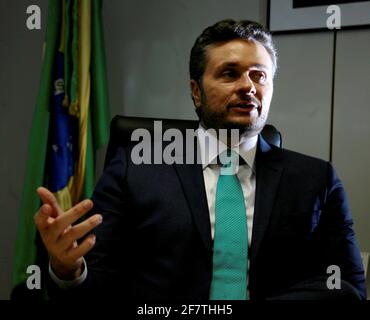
x=229 y=161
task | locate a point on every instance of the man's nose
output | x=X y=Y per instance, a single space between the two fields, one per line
x=246 y=85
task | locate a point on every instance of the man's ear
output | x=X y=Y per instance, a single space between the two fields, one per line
x=195 y=93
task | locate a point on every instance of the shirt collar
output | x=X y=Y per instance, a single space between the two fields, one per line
x=210 y=150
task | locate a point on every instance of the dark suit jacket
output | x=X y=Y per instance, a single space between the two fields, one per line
x=155 y=240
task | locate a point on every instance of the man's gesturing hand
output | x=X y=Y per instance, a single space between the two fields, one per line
x=60 y=237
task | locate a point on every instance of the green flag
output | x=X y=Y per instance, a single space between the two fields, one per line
x=97 y=118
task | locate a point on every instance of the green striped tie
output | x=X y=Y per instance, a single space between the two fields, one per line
x=230 y=248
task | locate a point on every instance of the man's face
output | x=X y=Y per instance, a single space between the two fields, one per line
x=236 y=87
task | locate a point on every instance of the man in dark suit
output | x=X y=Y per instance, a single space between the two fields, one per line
x=174 y=232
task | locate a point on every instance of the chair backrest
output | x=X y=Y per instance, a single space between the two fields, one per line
x=121 y=128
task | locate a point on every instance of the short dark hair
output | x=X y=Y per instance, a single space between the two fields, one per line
x=227 y=30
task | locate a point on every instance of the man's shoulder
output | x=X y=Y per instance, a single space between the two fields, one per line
x=294 y=159
x=302 y=167
x=298 y=156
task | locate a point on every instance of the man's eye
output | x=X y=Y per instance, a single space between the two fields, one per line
x=258 y=76
x=231 y=74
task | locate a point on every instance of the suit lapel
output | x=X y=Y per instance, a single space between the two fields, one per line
x=191 y=177
x=268 y=173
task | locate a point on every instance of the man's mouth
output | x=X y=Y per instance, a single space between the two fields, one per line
x=244 y=106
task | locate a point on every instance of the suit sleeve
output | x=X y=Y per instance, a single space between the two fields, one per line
x=336 y=240
x=108 y=263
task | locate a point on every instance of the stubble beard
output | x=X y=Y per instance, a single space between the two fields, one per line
x=211 y=119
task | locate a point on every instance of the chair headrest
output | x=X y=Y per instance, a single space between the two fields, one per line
x=122 y=127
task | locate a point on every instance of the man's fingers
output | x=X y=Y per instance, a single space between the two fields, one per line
x=43 y=217
x=80 y=230
x=71 y=216
x=83 y=248
x=47 y=197
x=58 y=232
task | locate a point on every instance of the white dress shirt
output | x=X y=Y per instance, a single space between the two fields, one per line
x=246 y=148
x=210 y=148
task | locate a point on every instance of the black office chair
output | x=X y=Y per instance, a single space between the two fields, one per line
x=121 y=128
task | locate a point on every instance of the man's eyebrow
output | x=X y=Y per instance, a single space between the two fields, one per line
x=236 y=64
x=260 y=66
x=228 y=65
